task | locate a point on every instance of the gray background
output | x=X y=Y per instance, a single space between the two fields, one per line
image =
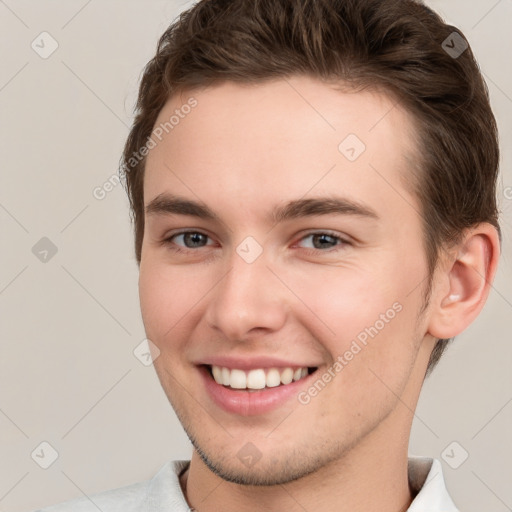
x=68 y=375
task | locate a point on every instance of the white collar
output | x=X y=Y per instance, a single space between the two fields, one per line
x=425 y=478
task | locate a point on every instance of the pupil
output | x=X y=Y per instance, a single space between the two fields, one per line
x=194 y=238
x=322 y=244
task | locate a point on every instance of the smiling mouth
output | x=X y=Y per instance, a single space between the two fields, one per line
x=258 y=378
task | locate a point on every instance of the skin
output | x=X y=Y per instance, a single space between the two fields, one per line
x=243 y=150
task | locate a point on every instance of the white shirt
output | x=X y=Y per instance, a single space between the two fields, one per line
x=163 y=492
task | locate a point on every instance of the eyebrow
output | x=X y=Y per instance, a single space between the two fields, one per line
x=168 y=204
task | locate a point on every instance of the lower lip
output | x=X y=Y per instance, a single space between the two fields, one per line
x=250 y=403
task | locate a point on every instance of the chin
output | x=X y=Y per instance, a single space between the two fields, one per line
x=262 y=473
x=275 y=465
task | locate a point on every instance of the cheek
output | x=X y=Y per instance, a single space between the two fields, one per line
x=166 y=297
x=364 y=315
x=372 y=345
x=345 y=301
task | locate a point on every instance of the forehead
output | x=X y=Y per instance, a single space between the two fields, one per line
x=258 y=142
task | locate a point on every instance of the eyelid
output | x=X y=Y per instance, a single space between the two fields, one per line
x=334 y=234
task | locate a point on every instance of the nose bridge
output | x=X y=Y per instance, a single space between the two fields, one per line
x=249 y=297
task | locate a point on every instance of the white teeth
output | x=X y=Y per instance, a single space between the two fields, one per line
x=226 y=376
x=258 y=378
x=217 y=374
x=238 y=379
x=273 y=378
x=286 y=376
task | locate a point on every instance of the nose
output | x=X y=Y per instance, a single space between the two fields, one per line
x=249 y=301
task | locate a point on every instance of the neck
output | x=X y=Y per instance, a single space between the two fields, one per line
x=373 y=476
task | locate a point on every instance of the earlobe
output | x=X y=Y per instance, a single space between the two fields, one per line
x=466 y=281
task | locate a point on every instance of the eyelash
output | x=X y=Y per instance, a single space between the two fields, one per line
x=179 y=249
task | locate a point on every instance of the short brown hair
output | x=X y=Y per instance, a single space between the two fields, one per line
x=400 y=46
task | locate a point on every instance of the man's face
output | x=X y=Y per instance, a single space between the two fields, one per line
x=337 y=292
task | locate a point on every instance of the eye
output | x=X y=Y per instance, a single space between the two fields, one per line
x=188 y=239
x=324 y=240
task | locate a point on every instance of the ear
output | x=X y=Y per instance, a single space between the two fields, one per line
x=464 y=282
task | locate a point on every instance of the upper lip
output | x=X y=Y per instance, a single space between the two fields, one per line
x=251 y=363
